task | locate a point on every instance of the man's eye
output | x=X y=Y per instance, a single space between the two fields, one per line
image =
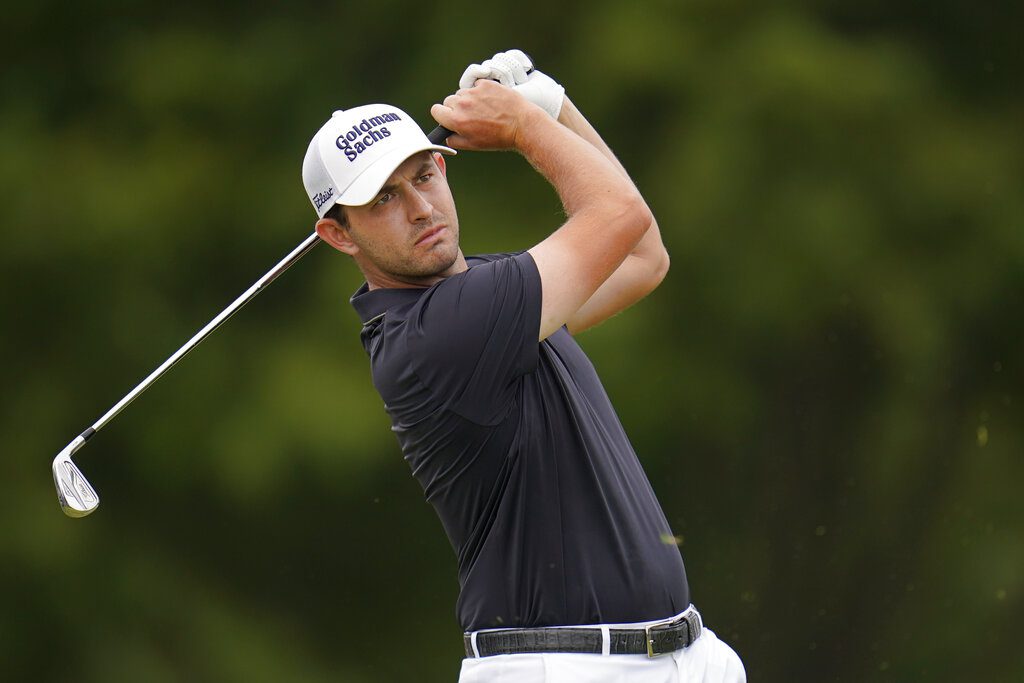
x=425 y=177
x=384 y=198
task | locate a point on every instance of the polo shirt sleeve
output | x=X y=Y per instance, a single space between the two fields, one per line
x=474 y=335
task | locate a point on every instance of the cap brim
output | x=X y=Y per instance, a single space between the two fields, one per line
x=366 y=186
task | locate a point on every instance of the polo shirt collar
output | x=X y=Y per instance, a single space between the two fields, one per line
x=370 y=304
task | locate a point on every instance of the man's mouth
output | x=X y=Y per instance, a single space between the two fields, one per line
x=431 y=236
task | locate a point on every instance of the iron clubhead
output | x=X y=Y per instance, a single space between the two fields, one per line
x=76 y=495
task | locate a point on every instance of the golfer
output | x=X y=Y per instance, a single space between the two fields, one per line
x=566 y=565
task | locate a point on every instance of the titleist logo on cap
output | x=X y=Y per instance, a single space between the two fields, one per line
x=365 y=134
x=321 y=197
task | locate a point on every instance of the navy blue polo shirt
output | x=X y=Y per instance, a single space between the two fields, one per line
x=519 y=450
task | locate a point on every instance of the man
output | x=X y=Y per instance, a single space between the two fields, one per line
x=498 y=411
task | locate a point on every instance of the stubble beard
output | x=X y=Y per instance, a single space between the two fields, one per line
x=436 y=263
x=423 y=268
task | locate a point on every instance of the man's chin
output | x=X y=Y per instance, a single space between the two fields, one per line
x=446 y=264
x=439 y=268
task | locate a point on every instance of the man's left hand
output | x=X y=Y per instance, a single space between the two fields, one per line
x=513 y=69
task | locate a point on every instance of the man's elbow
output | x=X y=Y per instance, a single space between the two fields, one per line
x=653 y=252
x=633 y=215
x=660 y=268
x=657 y=263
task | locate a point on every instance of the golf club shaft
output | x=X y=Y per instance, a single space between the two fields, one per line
x=436 y=136
x=202 y=334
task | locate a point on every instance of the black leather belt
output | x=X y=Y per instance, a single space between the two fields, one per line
x=660 y=638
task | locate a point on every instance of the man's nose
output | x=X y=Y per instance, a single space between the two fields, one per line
x=419 y=207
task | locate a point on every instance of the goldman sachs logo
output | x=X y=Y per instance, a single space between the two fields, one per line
x=365 y=134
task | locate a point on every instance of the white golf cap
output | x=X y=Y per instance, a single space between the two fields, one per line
x=356 y=151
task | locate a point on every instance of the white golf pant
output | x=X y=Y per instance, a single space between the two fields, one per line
x=706 y=660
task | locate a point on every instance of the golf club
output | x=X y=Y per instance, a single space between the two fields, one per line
x=76 y=495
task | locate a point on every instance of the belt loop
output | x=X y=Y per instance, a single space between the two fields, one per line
x=472 y=642
x=606 y=640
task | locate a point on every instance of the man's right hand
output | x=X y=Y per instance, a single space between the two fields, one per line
x=487 y=116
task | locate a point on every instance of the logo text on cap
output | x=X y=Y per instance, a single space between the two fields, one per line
x=364 y=134
x=321 y=197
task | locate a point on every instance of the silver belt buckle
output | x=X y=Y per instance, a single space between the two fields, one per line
x=650 y=641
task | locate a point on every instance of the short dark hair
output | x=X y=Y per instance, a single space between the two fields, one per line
x=337 y=213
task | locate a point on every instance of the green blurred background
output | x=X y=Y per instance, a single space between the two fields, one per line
x=826 y=391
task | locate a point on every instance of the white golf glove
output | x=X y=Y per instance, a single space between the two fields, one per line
x=512 y=68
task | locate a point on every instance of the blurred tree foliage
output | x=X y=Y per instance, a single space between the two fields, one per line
x=826 y=391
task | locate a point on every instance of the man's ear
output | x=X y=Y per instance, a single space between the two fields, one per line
x=439 y=160
x=336 y=235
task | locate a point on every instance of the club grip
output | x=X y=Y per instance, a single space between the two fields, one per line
x=439 y=135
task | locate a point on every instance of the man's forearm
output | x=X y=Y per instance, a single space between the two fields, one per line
x=650 y=248
x=573 y=119
x=582 y=178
